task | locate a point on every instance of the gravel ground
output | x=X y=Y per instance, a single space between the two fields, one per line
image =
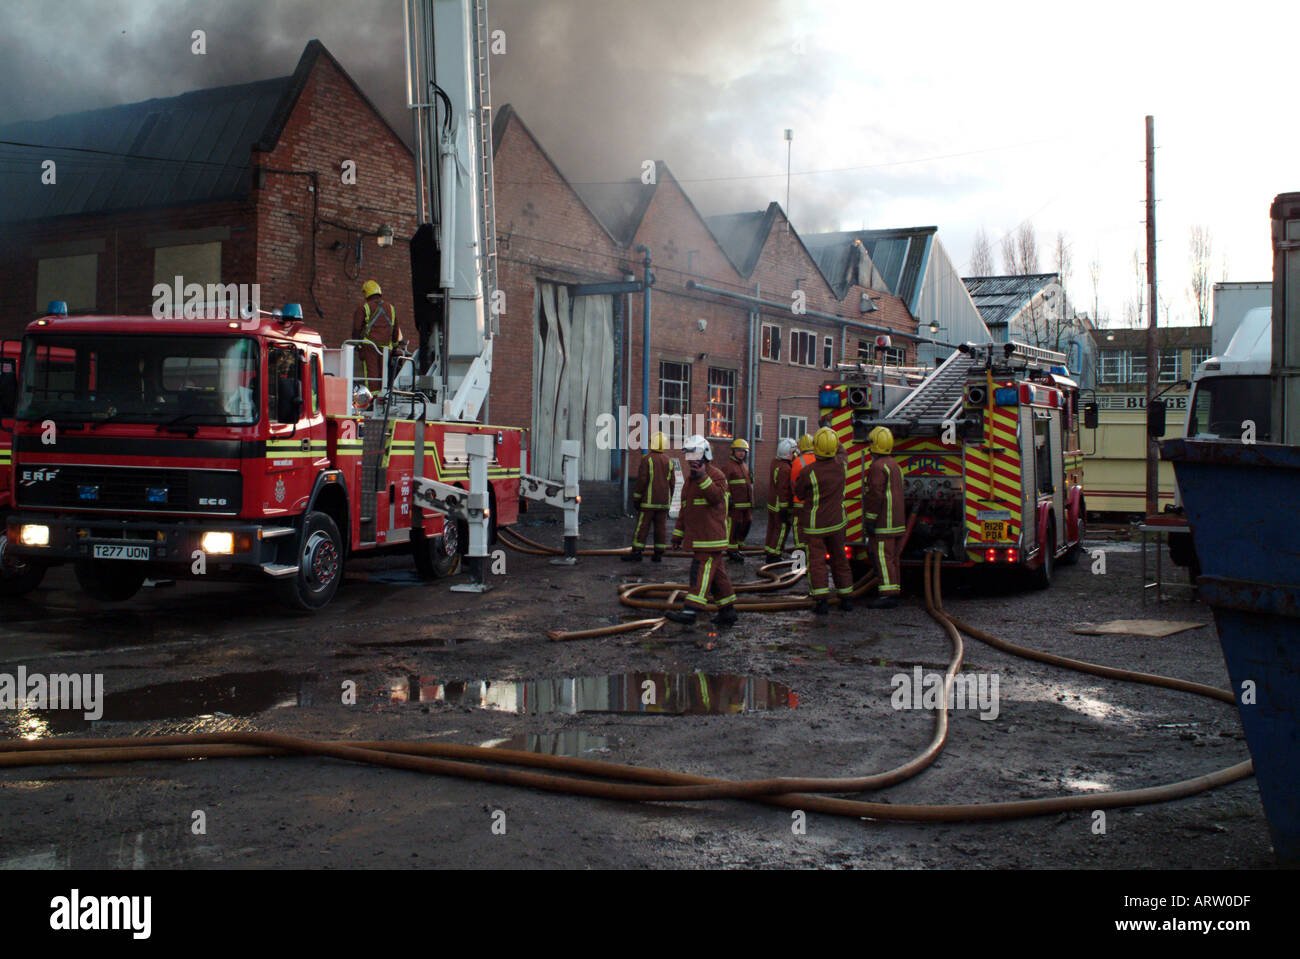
x=782 y=694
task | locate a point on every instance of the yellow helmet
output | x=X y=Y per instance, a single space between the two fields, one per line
x=658 y=443
x=739 y=445
x=882 y=440
x=826 y=444
x=370 y=288
x=805 y=443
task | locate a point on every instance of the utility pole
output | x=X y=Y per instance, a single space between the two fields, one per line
x=1153 y=357
x=789 y=147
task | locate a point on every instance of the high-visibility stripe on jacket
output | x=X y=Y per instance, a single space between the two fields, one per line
x=882 y=507
x=655 y=480
x=740 y=484
x=703 y=522
x=780 y=493
x=821 y=487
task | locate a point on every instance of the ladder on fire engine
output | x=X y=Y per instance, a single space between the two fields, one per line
x=487 y=208
x=939 y=395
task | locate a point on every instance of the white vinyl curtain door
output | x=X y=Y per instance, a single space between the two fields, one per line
x=573 y=378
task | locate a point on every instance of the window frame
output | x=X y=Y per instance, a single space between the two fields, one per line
x=685 y=384
x=729 y=420
x=765 y=341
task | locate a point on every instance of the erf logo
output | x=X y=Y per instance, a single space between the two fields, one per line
x=926 y=466
x=32 y=477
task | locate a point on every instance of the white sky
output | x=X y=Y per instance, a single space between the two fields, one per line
x=944 y=78
x=1046 y=101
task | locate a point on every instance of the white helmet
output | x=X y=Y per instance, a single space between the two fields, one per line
x=786 y=449
x=697 y=448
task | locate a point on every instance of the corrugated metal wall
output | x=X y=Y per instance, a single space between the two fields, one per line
x=943 y=298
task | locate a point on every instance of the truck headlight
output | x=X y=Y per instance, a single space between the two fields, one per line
x=218 y=544
x=34 y=535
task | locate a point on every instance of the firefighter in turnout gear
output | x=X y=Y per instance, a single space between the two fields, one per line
x=821 y=488
x=740 y=487
x=805 y=459
x=374 y=322
x=655 y=481
x=882 y=514
x=702 y=529
x=779 y=501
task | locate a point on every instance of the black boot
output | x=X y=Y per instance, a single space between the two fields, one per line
x=846 y=603
x=726 y=616
x=657 y=556
x=684 y=616
x=735 y=556
x=884 y=601
x=632 y=556
x=822 y=608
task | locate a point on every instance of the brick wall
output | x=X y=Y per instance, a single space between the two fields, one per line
x=332 y=123
x=125 y=268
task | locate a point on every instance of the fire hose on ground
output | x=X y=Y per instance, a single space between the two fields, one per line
x=642 y=784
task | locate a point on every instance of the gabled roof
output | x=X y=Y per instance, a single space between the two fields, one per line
x=742 y=235
x=619 y=206
x=192 y=148
x=999 y=298
x=899 y=257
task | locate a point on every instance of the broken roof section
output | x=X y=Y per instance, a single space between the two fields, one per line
x=1001 y=298
x=742 y=235
x=193 y=148
x=619 y=206
x=896 y=259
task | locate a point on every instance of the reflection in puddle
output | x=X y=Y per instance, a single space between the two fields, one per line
x=696 y=694
x=214 y=698
x=566 y=742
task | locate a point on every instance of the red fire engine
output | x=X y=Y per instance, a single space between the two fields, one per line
x=989 y=448
x=242 y=445
x=16 y=576
x=217 y=447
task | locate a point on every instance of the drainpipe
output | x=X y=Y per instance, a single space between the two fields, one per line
x=647 y=281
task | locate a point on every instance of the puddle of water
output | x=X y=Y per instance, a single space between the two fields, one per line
x=676 y=694
x=566 y=742
x=215 y=698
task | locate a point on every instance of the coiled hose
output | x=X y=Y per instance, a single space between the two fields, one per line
x=608 y=780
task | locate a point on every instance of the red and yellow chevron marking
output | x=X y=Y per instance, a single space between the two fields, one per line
x=993 y=479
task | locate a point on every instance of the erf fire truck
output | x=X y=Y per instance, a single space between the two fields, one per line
x=989 y=448
x=16 y=577
x=241 y=445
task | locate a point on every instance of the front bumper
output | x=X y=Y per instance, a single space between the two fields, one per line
x=172 y=545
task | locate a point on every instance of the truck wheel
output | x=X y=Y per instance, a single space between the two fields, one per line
x=1041 y=578
x=437 y=557
x=320 y=565
x=107 y=581
x=17 y=577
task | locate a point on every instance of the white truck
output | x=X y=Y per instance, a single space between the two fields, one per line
x=1231 y=400
x=1232 y=301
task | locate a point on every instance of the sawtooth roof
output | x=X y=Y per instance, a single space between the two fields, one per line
x=192 y=148
x=899 y=257
x=999 y=298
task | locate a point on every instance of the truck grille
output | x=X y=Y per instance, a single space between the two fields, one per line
x=129 y=489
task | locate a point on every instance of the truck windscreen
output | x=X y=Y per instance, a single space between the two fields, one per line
x=128 y=378
x=1223 y=406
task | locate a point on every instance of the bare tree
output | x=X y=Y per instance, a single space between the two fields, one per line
x=1008 y=247
x=1201 y=255
x=1134 y=309
x=981 y=254
x=1064 y=256
x=1020 y=251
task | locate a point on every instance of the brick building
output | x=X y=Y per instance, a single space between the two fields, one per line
x=739 y=307
x=241 y=184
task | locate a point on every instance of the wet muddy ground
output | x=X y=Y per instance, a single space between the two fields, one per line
x=780 y=694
